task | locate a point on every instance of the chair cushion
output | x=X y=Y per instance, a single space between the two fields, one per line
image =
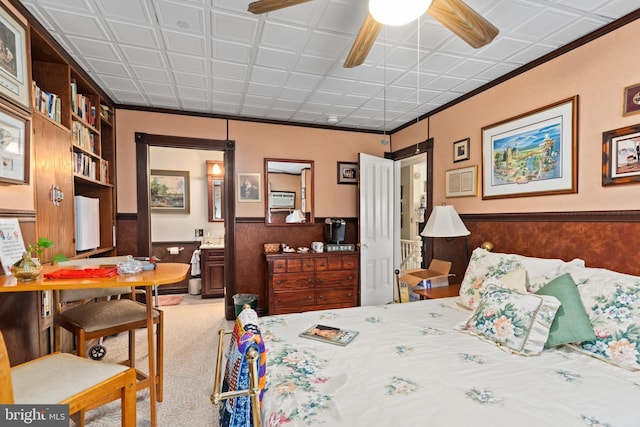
x=57 y=377
x=99 y=315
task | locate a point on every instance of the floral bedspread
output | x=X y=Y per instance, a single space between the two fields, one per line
x=408 y=366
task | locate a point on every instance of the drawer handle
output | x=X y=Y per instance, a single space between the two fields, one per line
x=309 y=280
x=350 y=277
x=278 y=282
x=348 y=294
x=349 y=263
x=320 y=280
x=279 y=299
x=309 y=297
x=322 y=264
x=309 y=265
x=321 y=296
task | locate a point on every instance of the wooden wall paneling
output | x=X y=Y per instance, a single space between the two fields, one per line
x=127 y=234
x=160 y=251
x=20 y=319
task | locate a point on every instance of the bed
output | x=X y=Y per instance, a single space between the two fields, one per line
x=416 y=364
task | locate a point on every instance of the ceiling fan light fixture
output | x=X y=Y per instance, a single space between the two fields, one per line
x=397 y=12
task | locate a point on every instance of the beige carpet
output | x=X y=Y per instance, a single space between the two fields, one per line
x=191 y=330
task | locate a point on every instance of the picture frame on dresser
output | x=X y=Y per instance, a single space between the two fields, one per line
x=533 y=154
x=621 y=156
x=14 y=85
x=14 y=147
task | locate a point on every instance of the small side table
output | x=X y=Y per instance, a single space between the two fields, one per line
x=439 y=292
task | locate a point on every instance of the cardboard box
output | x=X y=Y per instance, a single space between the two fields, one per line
x=435 y=276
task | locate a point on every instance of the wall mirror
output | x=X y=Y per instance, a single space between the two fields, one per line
x=288 y=192
x=215 y=190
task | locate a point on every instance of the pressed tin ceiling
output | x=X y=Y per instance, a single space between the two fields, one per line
x=214 y=57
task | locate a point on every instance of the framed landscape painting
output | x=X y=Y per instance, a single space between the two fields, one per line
x=533 y=154
x=169 y=191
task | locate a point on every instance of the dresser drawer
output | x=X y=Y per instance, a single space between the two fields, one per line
x=336 y=278
x=349 y=262
x=293 y=299
x=212 y=254
x=335 y=295
x=283 y=282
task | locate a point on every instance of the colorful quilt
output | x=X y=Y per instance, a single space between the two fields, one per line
x=236 y=412
x=409 y=367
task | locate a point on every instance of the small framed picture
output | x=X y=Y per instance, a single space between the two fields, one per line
x=347 y=173
x=249 y=187
x=461 y=150
x=621 y=156
x=631 y=100
x=14 y=84
x=462 y=182
x=169 y=191
x=14 y=148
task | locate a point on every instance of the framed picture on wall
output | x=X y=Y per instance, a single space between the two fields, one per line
x=249 y=189
x=347 y=173
x=14 y=148
x=461 y=150
x=13 y=59
x=169 y=191
x=462 y=182
x=532 y=154
x=631 y=100
x=621 y=156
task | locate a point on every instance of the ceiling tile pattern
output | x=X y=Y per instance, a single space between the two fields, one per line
x=212 y=56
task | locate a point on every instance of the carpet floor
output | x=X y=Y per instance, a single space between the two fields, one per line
x=190 y=338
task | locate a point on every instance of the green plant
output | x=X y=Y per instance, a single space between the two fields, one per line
x=42 y=244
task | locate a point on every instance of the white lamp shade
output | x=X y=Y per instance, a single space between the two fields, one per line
x=444 y=221
x=295 y=216
x=397 y=12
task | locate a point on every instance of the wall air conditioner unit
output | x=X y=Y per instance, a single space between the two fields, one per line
x=282 y=200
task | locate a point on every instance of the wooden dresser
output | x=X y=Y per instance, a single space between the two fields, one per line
x=313 y=281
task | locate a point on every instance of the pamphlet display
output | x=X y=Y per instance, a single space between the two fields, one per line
x=11 y=243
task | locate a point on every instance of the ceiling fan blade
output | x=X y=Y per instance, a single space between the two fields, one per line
x=364 y=41
x=463 y=21
x=264 y=6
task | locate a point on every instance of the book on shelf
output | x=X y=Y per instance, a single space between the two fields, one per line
x=46 y=102
x=329 y=334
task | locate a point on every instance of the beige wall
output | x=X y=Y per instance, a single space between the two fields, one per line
x=597 y=73
x=254 y=143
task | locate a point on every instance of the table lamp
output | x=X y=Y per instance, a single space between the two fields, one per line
x=444 y=221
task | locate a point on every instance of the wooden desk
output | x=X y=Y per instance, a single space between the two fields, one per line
x=164 y=274
x=439 y=292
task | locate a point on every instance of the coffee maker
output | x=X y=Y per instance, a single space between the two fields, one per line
x=334 y=230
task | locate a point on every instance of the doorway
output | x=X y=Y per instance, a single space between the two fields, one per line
x=143 y=143
x=413 y=207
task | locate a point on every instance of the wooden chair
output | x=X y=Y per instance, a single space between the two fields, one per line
x=62 y=378
x=102 y=317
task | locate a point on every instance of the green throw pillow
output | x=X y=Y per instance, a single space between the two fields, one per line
x=571 y=323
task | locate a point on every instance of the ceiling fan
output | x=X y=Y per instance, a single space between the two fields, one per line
x=459 y=18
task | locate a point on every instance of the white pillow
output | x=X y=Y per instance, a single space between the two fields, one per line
x=513 y=320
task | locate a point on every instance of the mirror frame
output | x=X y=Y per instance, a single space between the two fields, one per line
x=311 y=218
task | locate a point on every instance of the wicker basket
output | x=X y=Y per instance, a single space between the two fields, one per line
x=272 y=248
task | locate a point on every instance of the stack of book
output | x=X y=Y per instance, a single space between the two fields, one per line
x=82 y=105
x=46 y=102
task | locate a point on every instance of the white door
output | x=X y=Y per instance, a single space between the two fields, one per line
x=376 y=229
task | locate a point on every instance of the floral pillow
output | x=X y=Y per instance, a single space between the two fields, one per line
x=520 y=322
x=484 y=265
x=612 y=302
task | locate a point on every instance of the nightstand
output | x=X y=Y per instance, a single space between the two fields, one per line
x=439 y=292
